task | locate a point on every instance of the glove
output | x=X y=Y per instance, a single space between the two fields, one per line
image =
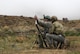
x=35 y=21
x=35 y=17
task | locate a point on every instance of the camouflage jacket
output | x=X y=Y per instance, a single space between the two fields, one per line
x=58 y=27
x=55 y=27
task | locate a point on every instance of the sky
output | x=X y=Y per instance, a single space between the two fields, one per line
x=59 y=8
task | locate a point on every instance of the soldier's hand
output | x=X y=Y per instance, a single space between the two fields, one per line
x=35 y=17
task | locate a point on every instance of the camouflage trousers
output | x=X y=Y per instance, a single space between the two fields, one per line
x=54 y=40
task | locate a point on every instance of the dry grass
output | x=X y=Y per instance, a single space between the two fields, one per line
x=9 y=45
x=20 y=44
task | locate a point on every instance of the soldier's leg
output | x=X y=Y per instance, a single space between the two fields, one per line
x=55 y=44
x=60 y=39
x=56 y=37
x=49 y=41
x=60 y=45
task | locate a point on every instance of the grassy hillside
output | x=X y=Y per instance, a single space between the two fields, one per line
x=21 y=24
x=18 y=33
x=16 y=25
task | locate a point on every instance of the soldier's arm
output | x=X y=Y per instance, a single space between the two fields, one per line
x=43 y=24
x=51 y=30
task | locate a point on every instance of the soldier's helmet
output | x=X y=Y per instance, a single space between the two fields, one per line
x=47 y=17
x=54 y=18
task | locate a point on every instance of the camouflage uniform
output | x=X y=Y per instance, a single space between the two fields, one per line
x=57 y=28
x=50 y=29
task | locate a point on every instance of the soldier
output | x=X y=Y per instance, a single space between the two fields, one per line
x=50 y=31
x=57 y=26
x=57 y=29
x=45 y=24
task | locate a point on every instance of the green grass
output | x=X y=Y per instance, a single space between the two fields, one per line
x=72 y=33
